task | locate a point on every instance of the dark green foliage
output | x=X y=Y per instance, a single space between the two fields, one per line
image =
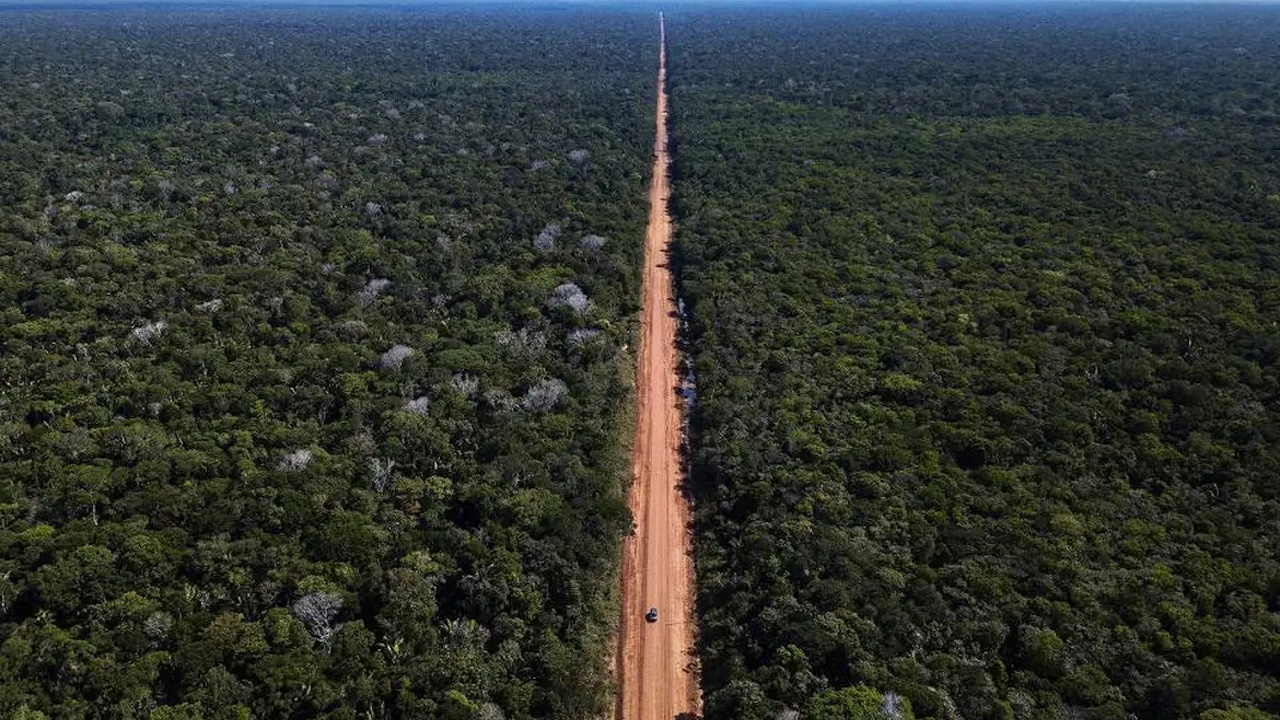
x=221 y=489
x=983 y=309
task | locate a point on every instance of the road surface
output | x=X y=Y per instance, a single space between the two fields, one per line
x=658 y=677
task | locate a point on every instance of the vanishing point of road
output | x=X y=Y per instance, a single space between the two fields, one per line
x=658 y=679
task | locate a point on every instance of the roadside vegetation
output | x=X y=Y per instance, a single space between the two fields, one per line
x=312 y=340
x=983 y=312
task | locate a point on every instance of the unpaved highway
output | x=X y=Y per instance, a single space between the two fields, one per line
x=658 y=678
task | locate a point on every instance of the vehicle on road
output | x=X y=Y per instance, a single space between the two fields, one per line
x=652 y=615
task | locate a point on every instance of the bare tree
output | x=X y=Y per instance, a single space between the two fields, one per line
x=382 y=472
x=571 y=296
x=392 y=359
x=465 y=383
x=373 y=289
x=546 y=240
x=419 y=405
x=526 y=342
x=544 y=395
x=316 y=611
x=582 y=336
x=149 y=331
x=296 y=460
x=891 y=706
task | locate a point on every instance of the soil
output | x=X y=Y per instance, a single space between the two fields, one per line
x=658 y=679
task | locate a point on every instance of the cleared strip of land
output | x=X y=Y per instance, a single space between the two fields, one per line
x=658 y=678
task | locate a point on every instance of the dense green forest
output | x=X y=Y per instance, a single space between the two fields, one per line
x=313 y=330
x=983 y=308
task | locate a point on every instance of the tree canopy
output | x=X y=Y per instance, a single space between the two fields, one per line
x=296 y=421
x=982 y=310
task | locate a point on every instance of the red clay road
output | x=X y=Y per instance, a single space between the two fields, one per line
x=659 y=678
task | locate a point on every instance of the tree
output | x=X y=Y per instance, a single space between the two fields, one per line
x=857 y=703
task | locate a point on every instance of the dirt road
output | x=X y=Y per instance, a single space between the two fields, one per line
x=658 y=680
